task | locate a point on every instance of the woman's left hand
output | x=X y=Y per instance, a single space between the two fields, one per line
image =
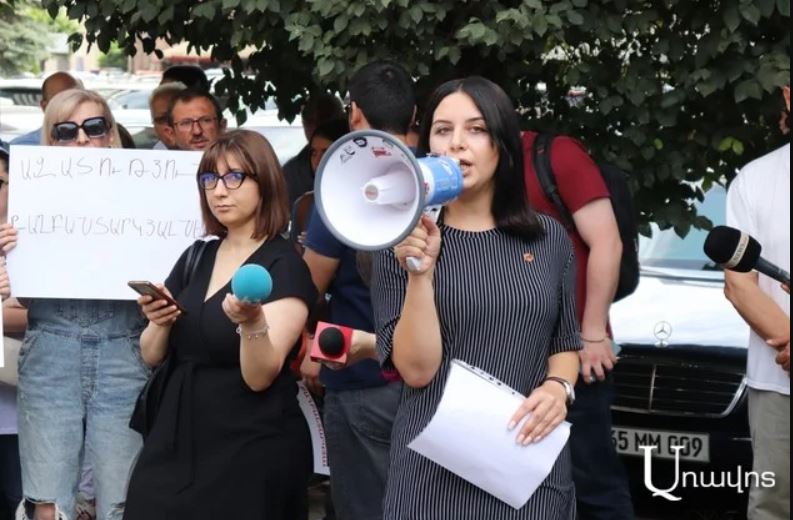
x=547 y=406
x=239 y=311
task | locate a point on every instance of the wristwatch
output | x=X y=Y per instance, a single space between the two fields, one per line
x=568 y=388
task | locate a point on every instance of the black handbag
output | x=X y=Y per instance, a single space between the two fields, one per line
x=150 y=397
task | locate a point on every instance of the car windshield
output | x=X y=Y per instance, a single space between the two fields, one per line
x=287 y=141
x=132 y=99
x=667 y=250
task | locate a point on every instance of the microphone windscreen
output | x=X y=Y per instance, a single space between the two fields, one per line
x=331 y=342
x=732 y=249
x=252 y=283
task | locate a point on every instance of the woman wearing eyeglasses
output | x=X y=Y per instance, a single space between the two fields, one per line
x=229 y=440
x=80 y=367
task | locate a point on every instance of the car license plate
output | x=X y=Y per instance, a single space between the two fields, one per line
x=693 y=446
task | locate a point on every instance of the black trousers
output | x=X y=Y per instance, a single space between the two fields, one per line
x=601 y=485
x=10 y=476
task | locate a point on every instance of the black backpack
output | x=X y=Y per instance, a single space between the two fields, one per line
x=621 y=201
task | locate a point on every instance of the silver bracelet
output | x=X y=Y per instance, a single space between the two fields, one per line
x=256 y=334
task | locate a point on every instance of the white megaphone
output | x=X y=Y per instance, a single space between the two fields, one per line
x=370 y=190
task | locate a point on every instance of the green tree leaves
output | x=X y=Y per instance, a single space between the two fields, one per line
x=677 y=92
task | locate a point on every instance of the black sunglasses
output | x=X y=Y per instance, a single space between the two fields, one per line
x=231 y=180
x=69 y=130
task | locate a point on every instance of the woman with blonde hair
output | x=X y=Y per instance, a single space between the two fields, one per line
x=80 y=367
x=61 y=125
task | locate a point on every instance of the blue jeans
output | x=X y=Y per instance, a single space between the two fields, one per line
x=600 y=482
x=358 y=428
x=80 y=372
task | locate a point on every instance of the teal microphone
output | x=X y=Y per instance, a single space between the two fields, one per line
x=252 y=283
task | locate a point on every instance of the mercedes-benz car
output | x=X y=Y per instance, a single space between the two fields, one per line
x=681 y=379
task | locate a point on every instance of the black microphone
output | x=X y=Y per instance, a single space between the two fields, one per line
x=332 y=342
x=737 y=251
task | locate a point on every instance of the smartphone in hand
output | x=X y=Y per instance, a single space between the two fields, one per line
x=146 y=288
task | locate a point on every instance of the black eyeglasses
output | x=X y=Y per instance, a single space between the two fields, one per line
x=94 y=127
x=231 y=180
x=186 y=125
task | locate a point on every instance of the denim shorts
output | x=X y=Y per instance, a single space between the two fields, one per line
x=80 y=372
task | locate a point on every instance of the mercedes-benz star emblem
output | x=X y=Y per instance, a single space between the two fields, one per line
x=662 y=332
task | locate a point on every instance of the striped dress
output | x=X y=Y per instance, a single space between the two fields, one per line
x=504 y=305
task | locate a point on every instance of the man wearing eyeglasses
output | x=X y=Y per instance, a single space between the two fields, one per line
x=194 y=120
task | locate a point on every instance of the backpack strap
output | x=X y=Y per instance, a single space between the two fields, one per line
x=544 y=170
x=191 y=262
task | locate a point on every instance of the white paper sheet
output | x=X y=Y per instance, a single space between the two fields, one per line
x=313 y=417
x=468 y=436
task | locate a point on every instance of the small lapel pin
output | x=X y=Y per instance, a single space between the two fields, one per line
x=528 y=257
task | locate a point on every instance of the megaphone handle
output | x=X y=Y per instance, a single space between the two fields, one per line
x=413 y=263
x=433 y=212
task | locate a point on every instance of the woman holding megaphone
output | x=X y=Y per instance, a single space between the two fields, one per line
x=492 y=284
x=229 y=440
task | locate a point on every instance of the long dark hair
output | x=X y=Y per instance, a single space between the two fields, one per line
x=510 y=206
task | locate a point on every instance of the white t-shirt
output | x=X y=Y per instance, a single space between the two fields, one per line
x=758 y=203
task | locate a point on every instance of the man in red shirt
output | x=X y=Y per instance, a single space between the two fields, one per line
x=601 y=486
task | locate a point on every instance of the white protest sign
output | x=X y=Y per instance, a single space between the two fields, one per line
x=91 y=219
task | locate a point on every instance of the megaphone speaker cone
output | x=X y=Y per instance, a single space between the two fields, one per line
x=396 y=187
x=369 y=190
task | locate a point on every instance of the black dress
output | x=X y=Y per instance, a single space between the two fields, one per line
x=217 y=449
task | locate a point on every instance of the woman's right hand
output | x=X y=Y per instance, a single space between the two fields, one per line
x=424 y=244
x=159 y=312
x=8 y=237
